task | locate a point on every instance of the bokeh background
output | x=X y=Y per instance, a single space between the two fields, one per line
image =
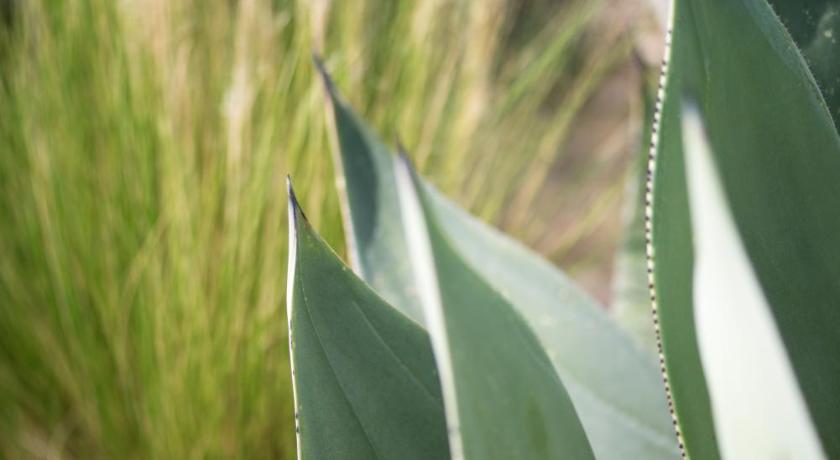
x=143 y=150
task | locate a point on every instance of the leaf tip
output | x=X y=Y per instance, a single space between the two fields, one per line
x=295 y=210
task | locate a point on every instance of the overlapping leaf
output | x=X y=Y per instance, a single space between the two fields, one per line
x=777 y=154
x=615 y=387
x=375 y=240
x=758 y=408
x=504 y=399
x=364 y=375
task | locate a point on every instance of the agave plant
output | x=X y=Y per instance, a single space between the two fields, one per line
x=447 y=339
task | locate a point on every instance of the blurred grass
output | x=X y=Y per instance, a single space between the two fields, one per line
x=143 y=146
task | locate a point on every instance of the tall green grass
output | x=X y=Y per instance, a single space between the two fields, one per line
x=143 y=146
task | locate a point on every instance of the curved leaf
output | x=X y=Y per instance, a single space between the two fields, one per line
x=503 y=398
x=375 y=239
x=364 y=375
x=615 y=387
x=759 y=410
x=778 y=156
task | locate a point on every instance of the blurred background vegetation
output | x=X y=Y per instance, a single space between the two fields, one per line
x=143 y=150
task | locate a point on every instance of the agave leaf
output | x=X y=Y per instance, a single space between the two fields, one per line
x=363 y=374
x=375 y=240
x=503 y=398
x=815 y=27
x=614 y=386
x=758 y=408
x=778 y=157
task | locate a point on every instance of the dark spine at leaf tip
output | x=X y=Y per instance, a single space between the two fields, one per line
x=293 y=202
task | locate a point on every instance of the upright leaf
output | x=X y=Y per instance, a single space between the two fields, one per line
x=503 y=398
x=363 y=373
x=375 y=239
x=778 y=156
x=614 y=386
x=758 y=407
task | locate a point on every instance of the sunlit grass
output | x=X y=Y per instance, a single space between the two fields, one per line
x=143 y=146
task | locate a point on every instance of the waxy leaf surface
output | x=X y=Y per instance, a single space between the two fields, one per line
x=615 y=387
x=777 y=153
x=364 y=374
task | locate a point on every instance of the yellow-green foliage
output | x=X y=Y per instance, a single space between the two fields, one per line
x=143 y=146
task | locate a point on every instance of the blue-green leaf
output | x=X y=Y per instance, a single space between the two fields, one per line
x=503 y=398
x=615 y=387
x=363 y=373
x=777 y=153
x=758 y=407
x=815 y=27
x=375 y=240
